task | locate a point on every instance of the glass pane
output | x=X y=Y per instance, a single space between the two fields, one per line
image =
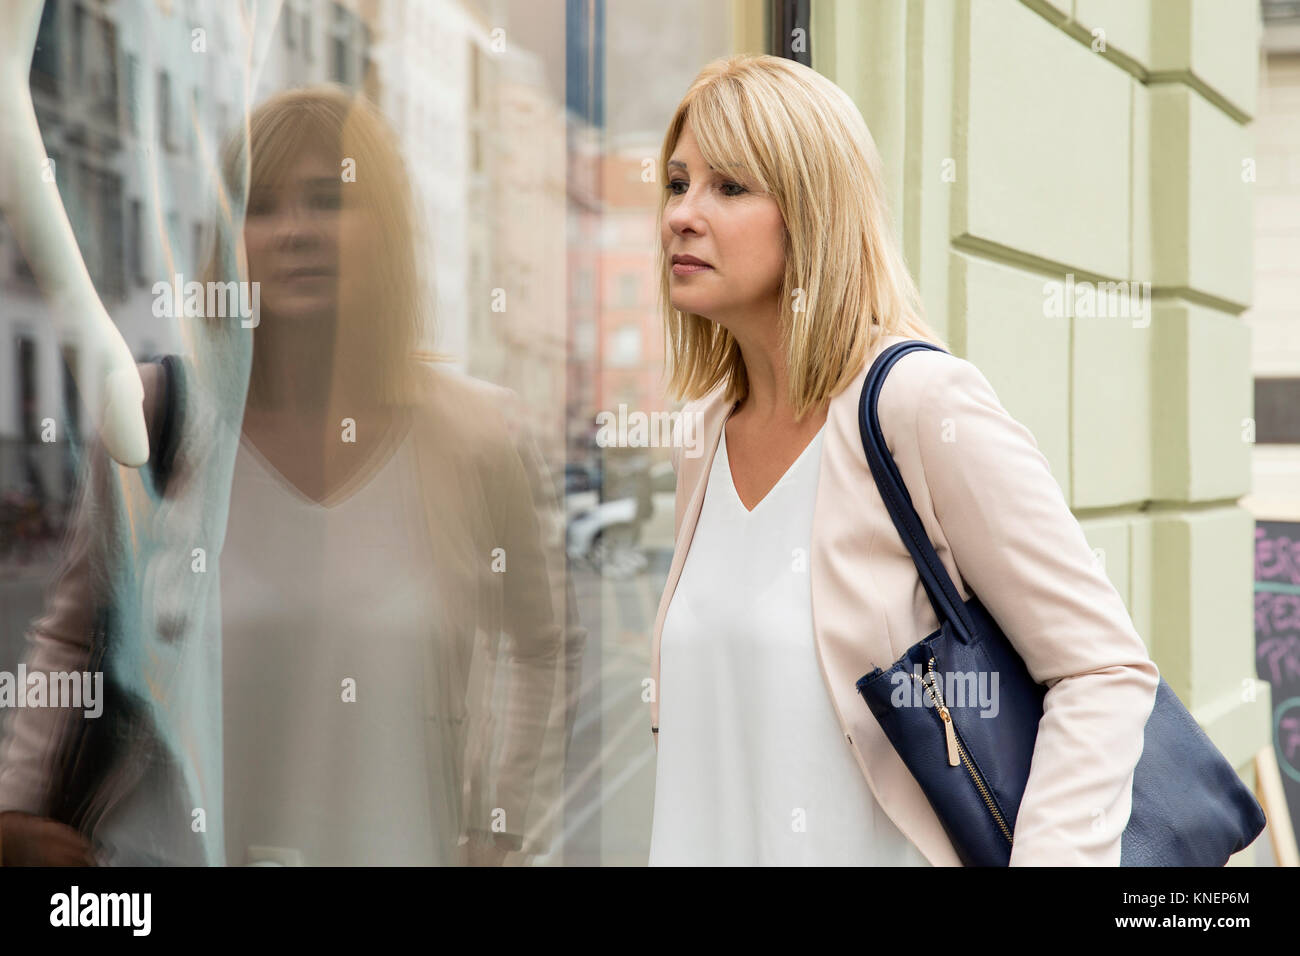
x=386 y=589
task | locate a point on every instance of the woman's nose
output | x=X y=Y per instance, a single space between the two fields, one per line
x=685 y=213
x=296 y=226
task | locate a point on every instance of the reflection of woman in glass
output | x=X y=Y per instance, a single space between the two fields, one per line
x=382 y=532
x=782 y=281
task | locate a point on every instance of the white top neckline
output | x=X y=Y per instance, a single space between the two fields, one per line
x=725 y=463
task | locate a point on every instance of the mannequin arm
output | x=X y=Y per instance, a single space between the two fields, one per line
x=40 y=224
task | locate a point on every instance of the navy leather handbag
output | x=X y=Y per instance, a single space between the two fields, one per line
x=1190 y=808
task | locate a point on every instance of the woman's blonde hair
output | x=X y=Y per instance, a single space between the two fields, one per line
x=804 y=141
x=339 y=125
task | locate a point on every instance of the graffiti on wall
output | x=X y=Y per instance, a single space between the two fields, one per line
x=1277 y=642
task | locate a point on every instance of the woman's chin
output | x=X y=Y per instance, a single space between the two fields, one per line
x=686 y=305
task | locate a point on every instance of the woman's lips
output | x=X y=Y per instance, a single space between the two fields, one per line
x=306 y=275
x=688 y=268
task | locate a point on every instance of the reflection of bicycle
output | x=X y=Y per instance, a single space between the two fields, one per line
x=26 y=532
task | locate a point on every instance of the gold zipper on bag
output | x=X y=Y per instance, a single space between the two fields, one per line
x=956 y=750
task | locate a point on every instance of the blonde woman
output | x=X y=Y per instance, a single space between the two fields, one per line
x=330 y=697
x=781 y=282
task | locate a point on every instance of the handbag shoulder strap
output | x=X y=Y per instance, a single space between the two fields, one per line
x=944 y=598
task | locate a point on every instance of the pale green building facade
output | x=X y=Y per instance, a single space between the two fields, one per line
x=1037 y=148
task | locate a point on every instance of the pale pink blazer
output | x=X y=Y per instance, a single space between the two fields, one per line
x=1001 y=526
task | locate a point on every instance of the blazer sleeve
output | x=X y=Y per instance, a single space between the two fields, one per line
x=63 y=639
x=543 y=655
x=1018 y=546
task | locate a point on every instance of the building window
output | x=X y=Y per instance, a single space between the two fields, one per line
x=94 y=61
x=584 y=339
x=101 y=230
x=342 y=33
x=102 y=58
x=71 y=403
x=628 y=286
x=369 y=74
x=339 y=69
x=172 y=243
x=582 y=285
x=132 y=78
x=110 y=233
x=165 y=130
x=625 y=347
x=195 y=118
x=78 y=47
x=25 y=355
x=198 y=240
x=45 y=58
x=135 y=242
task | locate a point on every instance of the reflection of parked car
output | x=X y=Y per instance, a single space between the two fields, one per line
x=614 y=536
x=606 y=535
x=579 y=478
x=581 y=490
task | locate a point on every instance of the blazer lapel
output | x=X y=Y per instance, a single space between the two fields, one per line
x=694 y=474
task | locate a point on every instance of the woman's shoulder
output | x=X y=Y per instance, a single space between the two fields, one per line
x=925 y=374
x=929 y=389
x=467 y=409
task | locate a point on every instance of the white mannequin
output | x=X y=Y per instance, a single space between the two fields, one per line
x=40 y=224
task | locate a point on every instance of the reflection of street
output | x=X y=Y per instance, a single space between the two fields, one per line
x=610 y=774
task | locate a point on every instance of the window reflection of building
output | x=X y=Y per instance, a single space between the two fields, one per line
x=131 y=99
x=526 y=182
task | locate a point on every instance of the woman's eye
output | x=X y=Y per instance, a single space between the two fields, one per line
x=672 y=187
x=327 y=201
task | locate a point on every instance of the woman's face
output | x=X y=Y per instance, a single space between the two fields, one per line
x=306 y=240
x=721 y=219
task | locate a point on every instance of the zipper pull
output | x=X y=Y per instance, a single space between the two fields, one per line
x=951 y=735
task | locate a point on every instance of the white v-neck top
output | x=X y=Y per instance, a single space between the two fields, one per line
x=752 y=768
x=314 y=595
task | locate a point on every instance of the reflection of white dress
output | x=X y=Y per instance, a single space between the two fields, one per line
x=752 y=768
x=312 y=596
